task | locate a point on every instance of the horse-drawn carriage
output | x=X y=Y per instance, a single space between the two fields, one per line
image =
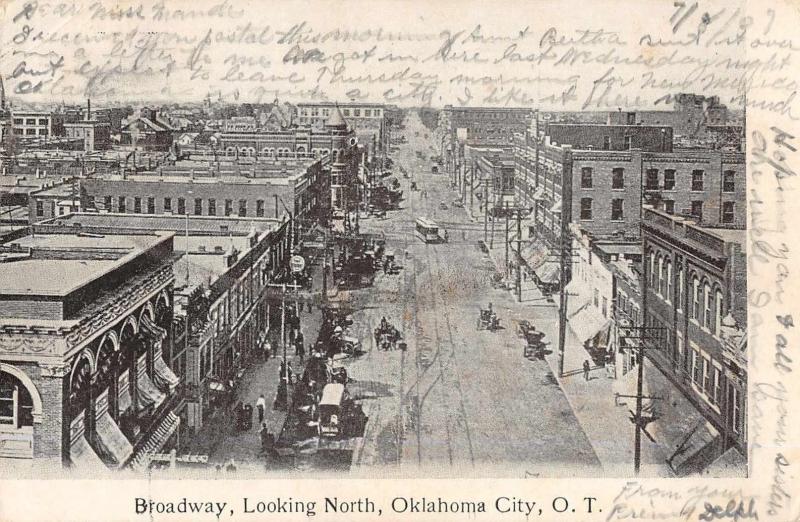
x=387 y=337
x=487 y=320
x=534 y=346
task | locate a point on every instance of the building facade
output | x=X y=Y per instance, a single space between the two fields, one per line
x=85 y=383
x=695 y=296
x=207 y=189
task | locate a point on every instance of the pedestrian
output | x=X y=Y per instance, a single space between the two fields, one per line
x=261 y=403
x=586 y=369
x=267 y=349
x=231 y=466
x=300 y=349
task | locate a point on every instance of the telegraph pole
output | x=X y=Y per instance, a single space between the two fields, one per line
x=485 y=212
x=565 y=259
x=471 y=187
x=505 y=211
x=519 y=256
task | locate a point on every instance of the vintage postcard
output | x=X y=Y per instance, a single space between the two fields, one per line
x=399 y=260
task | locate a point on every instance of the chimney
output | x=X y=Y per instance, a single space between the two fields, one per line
x=88 y=109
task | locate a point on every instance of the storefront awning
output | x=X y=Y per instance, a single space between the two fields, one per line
x=156 y=441
x=148 y=394
x=152 y=329
x=83 y=457
x=124 y=391
x=81 y=454
x=163 y=376
x=535 y=253
x=112 y=439
x=587 y=323
x=548 y=272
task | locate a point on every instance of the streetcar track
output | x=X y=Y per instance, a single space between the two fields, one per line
x=455 y=376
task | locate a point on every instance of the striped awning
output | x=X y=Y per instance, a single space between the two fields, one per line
x=549 y=272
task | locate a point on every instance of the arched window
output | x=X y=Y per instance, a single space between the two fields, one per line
x=695 y=298
x=80 y=387
x=679 y=299
x=651 y=275
x=718 y=315
x=660 y=275
x=707 y=306
x=668 y=280
x=16 y=403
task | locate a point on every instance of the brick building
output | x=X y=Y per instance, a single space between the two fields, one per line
x=695 y=292
x=222 y=311
x=83 y=320
x=368 y=120
x=335 y=139
x=203 y=188
x=605 y=189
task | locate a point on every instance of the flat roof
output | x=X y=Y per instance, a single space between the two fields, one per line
x=49 y=276
x=197 y=224
x=202 y=180
x=60 y=276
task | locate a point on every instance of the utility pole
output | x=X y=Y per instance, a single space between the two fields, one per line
x=519 y=256
x=485 y=211
x=505 y=211
x=494 y=218
x=566 y=258
x=471 y=187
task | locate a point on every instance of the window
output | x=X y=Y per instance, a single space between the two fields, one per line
x=586 y=208
x=18 y=121
x=259 y=208
x=727 y=212
x=596 y=297
x=728 y=184
x=346 y=112
x=697 y=180
x=242 y=207
x=718 y=309
x=167 y=204
x=660 y=287
x=181 y=206
x=617 y=213
x=651 y=179
x=30 y=132
x=606 y=142
x=605 y=307
x=707 y=375
x=696 y=375
x=151 y=205
x=367 y=113
x=586 y=177
x=107 y=203
x=121 y=204
x=356 y=112
x=30 y=121
x=137 y=205
x=42 y=132
x=735 y=409
x=695 y=298
x=618 y=178
x=39 y=208
x=668 y=281
x=42 y=121
x=627 y=142
x=669 y=206
x=697 y=210
x=716 y=386
x=228 y=207
x=198 y=207
x=707 y=306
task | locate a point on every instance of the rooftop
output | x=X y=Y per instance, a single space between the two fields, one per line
x=205 y=225
x=59 y=264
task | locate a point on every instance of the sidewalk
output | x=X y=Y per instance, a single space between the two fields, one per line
x=605 y=423
x=218 y=437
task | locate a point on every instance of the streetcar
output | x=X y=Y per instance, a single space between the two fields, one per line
x=427 y=230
